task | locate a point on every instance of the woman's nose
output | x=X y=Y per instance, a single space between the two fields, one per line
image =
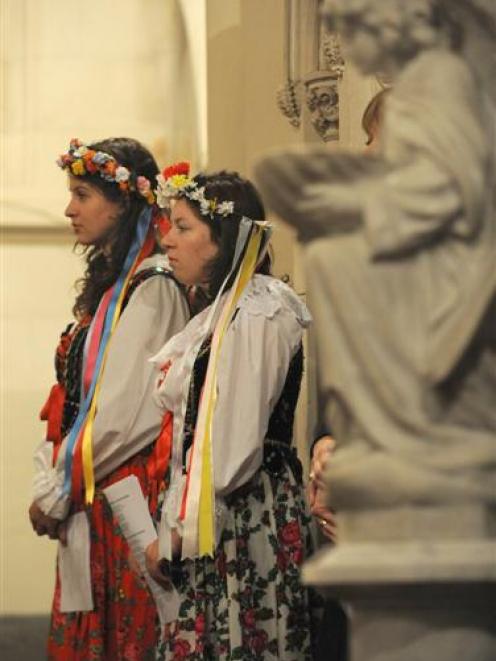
x=168 y=238
x=70 y=210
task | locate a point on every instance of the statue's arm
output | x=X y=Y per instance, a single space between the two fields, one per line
x=409 y=207
x=398 y=209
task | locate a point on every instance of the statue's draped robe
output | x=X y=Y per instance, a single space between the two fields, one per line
x=404 y=307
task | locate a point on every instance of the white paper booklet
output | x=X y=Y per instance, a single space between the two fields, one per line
x=131 y=511
x=74 y=566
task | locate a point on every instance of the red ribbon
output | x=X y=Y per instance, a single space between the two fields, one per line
x=52 y=412
x=158 y=461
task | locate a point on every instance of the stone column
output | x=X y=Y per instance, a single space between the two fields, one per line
x=419 y=584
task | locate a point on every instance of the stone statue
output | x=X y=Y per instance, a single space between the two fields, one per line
x=400 y=253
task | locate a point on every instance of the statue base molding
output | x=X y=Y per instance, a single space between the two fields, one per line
x=431 y=599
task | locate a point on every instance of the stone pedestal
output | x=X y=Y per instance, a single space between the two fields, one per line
x=418 y=584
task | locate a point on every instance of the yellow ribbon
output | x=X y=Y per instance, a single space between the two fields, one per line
x=206 y=533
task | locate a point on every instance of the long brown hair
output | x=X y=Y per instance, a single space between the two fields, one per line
x=102 y=269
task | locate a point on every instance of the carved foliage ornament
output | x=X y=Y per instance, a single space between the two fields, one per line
x=321 y=86
x=322 y=98
x=288 y=101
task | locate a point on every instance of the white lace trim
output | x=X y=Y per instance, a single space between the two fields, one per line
x=266 y=296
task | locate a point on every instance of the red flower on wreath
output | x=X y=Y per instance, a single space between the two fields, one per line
x=110 y=167
x=91 y=167
x=290 y=534
x=177 y=168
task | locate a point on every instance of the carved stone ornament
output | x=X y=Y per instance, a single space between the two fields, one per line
x=322 y=99
x=320 y=86
x=289 y=103
x=330 y=53
x=288 y=95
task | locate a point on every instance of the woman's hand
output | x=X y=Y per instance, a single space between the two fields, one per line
x=324 y=517
x=46 y=525
x=322 y=452
x=155 y=567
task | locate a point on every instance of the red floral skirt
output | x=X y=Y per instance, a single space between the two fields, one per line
x=123 y=624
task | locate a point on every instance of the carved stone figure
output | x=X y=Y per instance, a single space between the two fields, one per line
x=322 y=97
x=400 y=251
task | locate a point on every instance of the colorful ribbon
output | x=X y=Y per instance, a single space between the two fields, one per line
x=103 y=326
x=199 y=496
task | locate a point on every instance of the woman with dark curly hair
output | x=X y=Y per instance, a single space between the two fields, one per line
x=102 y=422
x=233 y=530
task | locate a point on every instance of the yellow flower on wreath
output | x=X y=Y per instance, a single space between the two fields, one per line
x=180 y=180
x=77 y=167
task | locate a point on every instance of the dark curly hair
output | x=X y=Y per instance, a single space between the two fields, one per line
x=227 y=186
x=102 y=270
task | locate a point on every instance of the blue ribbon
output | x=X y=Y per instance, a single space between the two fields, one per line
x=141 y=232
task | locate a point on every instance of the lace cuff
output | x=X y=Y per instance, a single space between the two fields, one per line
x=48 y=484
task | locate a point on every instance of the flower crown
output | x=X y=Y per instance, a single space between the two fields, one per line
x=81 y=160
x=175 y=182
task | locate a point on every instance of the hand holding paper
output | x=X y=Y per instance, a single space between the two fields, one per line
x=130 y=509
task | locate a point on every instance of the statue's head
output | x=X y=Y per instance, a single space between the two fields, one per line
x=382 y=35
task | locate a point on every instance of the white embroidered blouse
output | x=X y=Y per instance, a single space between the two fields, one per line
x=260 y=342
x=127 y=419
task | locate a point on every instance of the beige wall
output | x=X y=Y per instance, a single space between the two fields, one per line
x=244 y=70
x=117 y=79
x=37 y=270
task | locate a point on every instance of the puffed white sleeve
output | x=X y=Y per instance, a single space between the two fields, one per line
x=127 y=419
x=253 y=365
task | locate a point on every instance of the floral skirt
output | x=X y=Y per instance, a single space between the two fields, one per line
x=122 y=626
x=248 y=602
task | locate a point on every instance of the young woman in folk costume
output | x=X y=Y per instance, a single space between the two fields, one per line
x=102 y=422
x=233 y=531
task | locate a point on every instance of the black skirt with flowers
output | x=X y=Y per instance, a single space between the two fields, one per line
x=248 y=601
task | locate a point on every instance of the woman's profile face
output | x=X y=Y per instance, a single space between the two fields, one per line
x=91 y=214
x=189 y=245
